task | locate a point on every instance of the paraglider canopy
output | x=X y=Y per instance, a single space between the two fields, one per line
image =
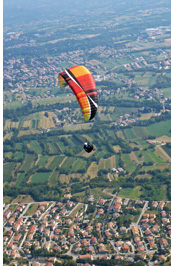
x=82 y=83
x=88 y=148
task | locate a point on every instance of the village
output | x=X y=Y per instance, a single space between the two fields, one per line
x=70 y=228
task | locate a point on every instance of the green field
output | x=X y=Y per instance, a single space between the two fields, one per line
x=7 y=171
x=35 y=146
x=56 y=162
x=40 y=177
x=42 y=161
x=28 y=163
x=155 y=157
x=67 y=164
x=132 y=193
x=20 y=178
x=128 y=164
x=140 y=132
x=78 y=165
x=159 y=129
x=130 y=133
x=19 y=155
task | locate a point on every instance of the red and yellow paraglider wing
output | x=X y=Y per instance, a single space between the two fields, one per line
x=83 y=85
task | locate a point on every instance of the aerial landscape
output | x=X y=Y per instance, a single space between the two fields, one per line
x=61 y=204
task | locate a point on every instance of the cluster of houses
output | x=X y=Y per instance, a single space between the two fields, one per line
x=66 y=228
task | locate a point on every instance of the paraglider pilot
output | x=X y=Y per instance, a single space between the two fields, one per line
x=88 y=148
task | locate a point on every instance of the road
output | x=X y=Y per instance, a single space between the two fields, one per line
x=107 y=215
x=142 y=212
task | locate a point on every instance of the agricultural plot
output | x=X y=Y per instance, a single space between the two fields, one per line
x=51 y=148
x=18 y=146
x=92 y=170
x=67 y=164
x=20 y=178
x=8 y=169
x=28 y=132
x=140 y=132
x=64 y=178
x=129 y=133
x=154 y=156
x=19 y=155
x=146 y=116
x=79 y=164
x=55 y=163
x=42 y=161
x=107 y=164
x=54 y=178
x=27 y=124
x=35 y=123
x=159 y=129
x=131 y=193
x=35 y=146
x=167 y=150
x=28 y=163
x=9 y=124
x=129 y=165
x=40 y=177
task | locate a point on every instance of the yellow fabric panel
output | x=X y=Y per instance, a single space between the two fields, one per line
x=86 y=117
x=79 y=71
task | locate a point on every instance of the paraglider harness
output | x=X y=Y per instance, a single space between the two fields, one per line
x=88 y=148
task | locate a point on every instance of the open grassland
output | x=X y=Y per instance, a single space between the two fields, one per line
x=132 y=193
x=146 y=116
x=40 y=177
x=7 y=199
x=23 y=199
x=28 y=163
x=128 y=164
x=8 y=169
x=120 y=134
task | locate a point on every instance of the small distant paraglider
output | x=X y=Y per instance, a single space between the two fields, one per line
x=88 y=148
x=82 y=83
